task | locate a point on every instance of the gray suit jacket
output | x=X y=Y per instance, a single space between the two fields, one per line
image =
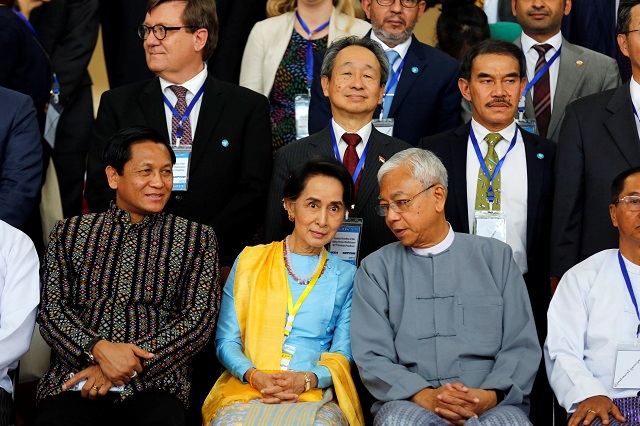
x=597 y=73
x=375 y=233
x=598 y=141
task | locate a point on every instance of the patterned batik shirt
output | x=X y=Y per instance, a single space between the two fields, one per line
x=154 y=284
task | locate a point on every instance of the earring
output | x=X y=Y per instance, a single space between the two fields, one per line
x=291 y=218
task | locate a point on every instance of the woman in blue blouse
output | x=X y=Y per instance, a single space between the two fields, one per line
x=283 y=330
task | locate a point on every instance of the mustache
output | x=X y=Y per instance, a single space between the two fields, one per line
x=499 y=101
x=395 y=18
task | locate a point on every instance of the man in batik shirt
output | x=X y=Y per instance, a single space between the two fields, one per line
x=129 y=297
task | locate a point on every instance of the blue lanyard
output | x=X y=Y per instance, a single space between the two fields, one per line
x=360 y=165
x=393 y=78
x=634 y=111
x=309 y=58
x=489 y=176
x=537 y=76
x=186 y=113
x=627 y=281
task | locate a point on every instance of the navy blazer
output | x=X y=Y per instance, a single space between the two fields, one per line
x=228 y=181
x=426 y=100
x=20 y=158
x=375 y=232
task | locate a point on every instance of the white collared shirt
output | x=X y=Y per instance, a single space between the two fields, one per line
x=192 y=87
x=364 y=133
x=19 y=297
x=513 y=186
x=635 y=98
x=531 y=56
x=438 y=248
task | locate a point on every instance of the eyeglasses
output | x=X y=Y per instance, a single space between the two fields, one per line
x=159 y=30
x=400 y=205
x=404 y=3
x=630 y=203
x=630 y=31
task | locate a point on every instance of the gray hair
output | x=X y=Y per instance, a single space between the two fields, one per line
x=424 y=165
x=339 y=44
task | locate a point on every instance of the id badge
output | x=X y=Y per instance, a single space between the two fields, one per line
x=626 y=375
x=384 y=125
x=528 y=124
x=492 y=224
x=287 y=354
x=51 y=122
x=181 y=169
x=302 y=115
x=346 y=243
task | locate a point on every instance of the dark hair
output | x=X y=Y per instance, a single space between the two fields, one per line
x=118 y=150
x=618 y=182
x=321 y=166
x=341 y=43
x=624 y=15
x=9 y=3
x=198 y=14
x=461 y=26
x=491 y=46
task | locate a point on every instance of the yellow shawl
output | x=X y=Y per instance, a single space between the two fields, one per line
x=261 y=277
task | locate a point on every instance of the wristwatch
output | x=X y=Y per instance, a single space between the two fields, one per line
x=307 y=381
x=88 y=348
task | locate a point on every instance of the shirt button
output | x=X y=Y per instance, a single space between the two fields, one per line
x=178 y=197
x=329 y=331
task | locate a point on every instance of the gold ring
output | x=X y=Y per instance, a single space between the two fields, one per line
x=589 y=410
x=95 y=388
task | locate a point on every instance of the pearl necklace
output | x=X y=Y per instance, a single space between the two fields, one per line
x=292 y=273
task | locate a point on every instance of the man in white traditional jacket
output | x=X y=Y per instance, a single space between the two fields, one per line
x=592 y=353
x=441 y=325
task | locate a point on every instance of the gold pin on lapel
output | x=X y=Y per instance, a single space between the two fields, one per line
x=579 y=63
x=381 y=159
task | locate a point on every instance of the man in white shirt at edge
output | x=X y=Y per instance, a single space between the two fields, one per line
x=591 y=314
x=19 y=298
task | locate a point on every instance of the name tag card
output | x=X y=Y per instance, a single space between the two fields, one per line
x=384 y=125
x=492 y=224
x=346 y=243
x=627 y=371
x=302 y=115
x=181 y=170
x=528 y=124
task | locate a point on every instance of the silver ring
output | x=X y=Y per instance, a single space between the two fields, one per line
x=589 y=410
x=135 y=373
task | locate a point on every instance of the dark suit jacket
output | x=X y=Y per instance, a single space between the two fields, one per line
x=451 y=147
x=375 y=233
x=227 y=185
x=598 y=140
x=426 y=100
x=504 y=11
x=20 y=158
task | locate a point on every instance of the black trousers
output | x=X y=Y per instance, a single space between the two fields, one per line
x=150 y=407
x=7 y=411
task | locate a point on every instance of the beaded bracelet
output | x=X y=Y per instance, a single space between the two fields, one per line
x=251 y=378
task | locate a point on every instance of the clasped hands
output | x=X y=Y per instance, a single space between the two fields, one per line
x=455 y=403
x=283 y=387
x=116 y=364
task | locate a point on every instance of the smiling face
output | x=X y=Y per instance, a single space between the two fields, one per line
x=145 y=184
x=494 y=89
x=354 y=88
x=393 y=24
x=177 y=57
x=317 y=212
x=540 y=19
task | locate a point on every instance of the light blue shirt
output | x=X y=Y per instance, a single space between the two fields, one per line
x=321 y=325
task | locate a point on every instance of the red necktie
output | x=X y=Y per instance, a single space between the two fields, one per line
x=351 y=159
x=181 y=107
x=542 y=92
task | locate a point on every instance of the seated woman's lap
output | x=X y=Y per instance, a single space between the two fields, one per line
x=232 y=414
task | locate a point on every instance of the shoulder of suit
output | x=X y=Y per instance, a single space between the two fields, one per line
x=235 y=91
x=433 y=54
x=597 y=100
x=445 y=137
x=588 y=54
x=274 y=23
